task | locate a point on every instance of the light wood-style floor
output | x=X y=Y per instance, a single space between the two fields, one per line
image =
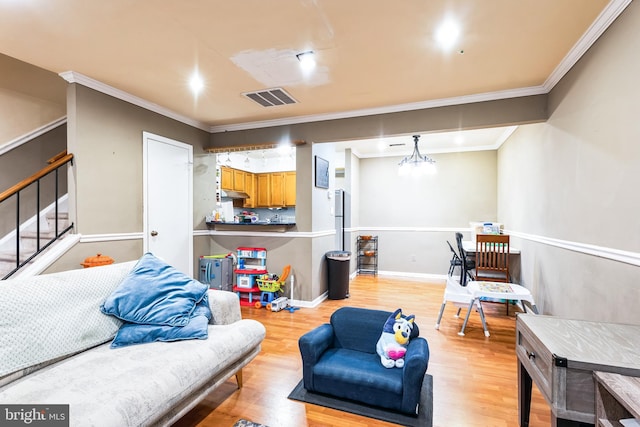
x=474 y=378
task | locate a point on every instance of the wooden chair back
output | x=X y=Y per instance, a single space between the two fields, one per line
x=492 y=257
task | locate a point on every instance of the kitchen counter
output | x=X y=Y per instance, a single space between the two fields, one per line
x=251 y=226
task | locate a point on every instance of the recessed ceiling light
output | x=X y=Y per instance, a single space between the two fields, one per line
x=307 y=60
x=195 y=83
x=447 y=34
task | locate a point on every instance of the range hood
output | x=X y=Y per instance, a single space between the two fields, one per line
x=230 y=194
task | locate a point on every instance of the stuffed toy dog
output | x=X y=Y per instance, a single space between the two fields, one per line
x=392 y=345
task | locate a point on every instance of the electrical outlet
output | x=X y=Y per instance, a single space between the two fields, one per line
x=413 y=258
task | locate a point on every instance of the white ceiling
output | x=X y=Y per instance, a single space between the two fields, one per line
x=373 y=56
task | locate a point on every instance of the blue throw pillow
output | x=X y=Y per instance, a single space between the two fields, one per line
x=132 y=333
x=155 y=293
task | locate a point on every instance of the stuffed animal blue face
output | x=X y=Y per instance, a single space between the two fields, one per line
x=392 y=345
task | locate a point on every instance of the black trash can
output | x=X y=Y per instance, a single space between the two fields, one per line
x=338 y=274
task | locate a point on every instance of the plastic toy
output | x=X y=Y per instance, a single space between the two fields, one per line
x=270 y=288
x=278 y=304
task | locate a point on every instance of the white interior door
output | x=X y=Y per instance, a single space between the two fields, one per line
x=168 y=201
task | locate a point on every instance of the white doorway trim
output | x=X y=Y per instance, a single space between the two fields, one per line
x=185 y=231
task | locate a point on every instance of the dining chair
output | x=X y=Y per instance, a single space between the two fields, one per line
x=455 y=260
x=467 y=263
x=492 y=257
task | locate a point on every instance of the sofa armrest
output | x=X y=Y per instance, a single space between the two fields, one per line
x=416 y=361
x=225 y=307
x=312 y=345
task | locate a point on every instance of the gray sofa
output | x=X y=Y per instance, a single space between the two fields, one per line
x=55 y=349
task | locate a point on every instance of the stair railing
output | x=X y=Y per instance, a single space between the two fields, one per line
x=54 y=165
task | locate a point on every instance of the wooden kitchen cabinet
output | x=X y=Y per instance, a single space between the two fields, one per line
x=238 y=179
x=277 y=190
x=289 y=188
x=250 y=189
x=263 y=190
x=226 y=178
x=270 y=190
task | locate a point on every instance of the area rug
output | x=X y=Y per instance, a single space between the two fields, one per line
x=247 y=423
x=424 y=418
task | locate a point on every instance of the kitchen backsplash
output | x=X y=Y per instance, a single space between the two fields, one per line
x=287 y=215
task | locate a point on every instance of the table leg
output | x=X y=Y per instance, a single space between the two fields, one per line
x=524 y=395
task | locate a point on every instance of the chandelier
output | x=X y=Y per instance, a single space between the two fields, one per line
x=416 y=164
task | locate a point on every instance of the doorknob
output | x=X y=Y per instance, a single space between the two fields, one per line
x=154 y=233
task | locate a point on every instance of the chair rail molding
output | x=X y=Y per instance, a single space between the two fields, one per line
x=626 y=257
x=414 y=229
x=31 y=135
x=90 y=238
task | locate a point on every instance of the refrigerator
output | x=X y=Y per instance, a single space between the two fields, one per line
x=342 y=219
x=216 y=272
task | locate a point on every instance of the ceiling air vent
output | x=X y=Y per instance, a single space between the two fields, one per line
x=271 y=97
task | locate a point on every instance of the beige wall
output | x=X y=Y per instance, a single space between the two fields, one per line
x=105 y=136
x=569 y=186
x=23 y=161
x=30 y=97
x=281 y=251
x=120 y=251
x=415 y=216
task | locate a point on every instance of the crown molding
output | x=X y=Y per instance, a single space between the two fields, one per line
x=602 y=22
x=74 y=77
x=31 y=135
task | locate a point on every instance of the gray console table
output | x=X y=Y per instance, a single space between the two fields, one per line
x=560 y=356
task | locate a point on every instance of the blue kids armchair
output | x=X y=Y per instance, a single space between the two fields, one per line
x=340 y=359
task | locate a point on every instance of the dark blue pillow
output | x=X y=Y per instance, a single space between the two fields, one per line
x=133 y=333
x=155 y=293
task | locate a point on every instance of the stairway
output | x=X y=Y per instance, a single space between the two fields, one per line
x=29 y=241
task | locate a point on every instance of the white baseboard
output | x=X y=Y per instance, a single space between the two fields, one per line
x=418 y=276
x=310 y=304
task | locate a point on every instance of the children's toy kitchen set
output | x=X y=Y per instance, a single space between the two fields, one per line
x=254 y=285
